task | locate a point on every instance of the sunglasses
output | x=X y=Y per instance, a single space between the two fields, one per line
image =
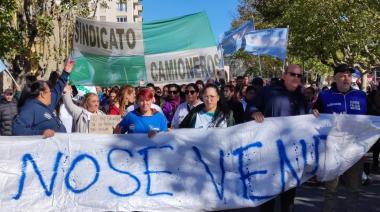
x=172 y=92
x=187 y=92
x=295 y=75
x=8 y=94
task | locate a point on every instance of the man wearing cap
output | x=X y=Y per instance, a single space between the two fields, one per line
x=342 y=98
x=8 y=110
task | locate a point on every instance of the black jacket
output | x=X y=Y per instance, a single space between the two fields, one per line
x=237 y=109
x=190 y=119
x=277 y=101
x=8 y=110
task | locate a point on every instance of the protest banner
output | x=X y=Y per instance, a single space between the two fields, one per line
x=159 y=52
x=188 y=170
x=103 y=124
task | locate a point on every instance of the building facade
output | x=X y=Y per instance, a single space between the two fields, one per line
x=119 y=11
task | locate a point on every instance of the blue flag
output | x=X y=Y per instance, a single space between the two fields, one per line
x=2 y=66
x=272 y=42
x=233 y=40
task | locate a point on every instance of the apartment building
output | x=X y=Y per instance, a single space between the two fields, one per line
x=119 y=11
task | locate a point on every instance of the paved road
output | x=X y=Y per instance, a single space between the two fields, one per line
x=310 y=198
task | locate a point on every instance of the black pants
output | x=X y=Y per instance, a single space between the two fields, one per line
x=375 y=154
x=287 y=202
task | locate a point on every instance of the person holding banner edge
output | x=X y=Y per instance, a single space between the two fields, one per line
x=281 y=99
x=342 y=98
x=213 y=113
x=143 y=119
x=36 y=115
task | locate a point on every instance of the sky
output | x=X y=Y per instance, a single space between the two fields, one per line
x=220 y=12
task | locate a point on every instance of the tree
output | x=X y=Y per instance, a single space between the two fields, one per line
x=36 y=35
x=332 y=32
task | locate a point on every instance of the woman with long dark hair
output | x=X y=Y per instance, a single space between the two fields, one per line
x=213 y=113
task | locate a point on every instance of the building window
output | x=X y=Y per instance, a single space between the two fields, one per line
x=121 y=19
x=121 y=7
x=102 y=18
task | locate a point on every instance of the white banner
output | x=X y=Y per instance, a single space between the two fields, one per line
x=188 y=170
x=108 y=38
x=183 y=66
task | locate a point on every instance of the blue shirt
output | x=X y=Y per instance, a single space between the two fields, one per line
x=134 y=122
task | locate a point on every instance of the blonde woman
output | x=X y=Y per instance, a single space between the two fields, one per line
x=81 y=115
x=127 y=98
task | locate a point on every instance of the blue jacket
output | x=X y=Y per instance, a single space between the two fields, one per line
x=277 y=101
x=333 y=101
x=35 y=117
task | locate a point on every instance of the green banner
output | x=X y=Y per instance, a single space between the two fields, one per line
x=124 y=53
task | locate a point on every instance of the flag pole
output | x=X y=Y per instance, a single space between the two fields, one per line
x=9 y=73
x=261 y=72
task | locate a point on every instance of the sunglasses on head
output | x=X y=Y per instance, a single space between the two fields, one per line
x=187 y=92
x=295 y=75
x=172 y=92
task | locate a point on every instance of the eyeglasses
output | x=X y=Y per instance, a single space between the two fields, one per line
x=209 y=97
x=172 y=92
x=187 y=92
x=8 y=94
x=295 y=75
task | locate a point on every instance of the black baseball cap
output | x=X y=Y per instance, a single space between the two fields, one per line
x=343 y=68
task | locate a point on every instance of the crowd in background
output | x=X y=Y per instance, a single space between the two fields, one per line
x=46 y=107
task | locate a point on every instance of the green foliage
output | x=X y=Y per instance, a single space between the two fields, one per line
x=323 y=31
x=35 y=33
x=9 y=36
x=45 y=26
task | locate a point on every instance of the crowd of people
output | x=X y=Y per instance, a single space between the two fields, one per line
x=47 y=107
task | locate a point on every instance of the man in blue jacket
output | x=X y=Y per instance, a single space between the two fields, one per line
x=342 y=98
x=281 y=99
x=37 y=115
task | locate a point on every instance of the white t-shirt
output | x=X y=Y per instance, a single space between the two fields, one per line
x=181 y=112
x=204 y=120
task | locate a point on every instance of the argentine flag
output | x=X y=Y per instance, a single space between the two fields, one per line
x=272 y=42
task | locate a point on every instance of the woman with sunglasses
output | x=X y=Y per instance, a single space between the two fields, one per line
x=143 y=119
x=213 y=113
x=171 y=102
x=192 y=100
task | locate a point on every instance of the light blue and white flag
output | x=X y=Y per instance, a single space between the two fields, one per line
x=272 y=42
x=233 y=40
x=2 y=66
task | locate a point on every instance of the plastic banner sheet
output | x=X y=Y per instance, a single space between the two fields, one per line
x=187 y=169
